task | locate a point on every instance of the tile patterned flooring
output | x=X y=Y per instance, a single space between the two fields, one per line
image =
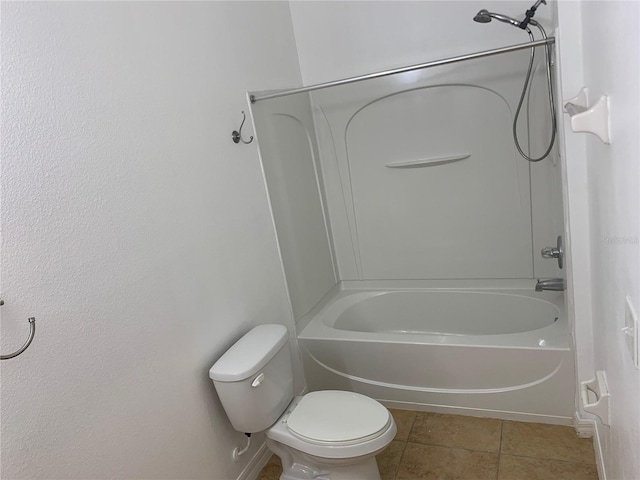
x=433 y=446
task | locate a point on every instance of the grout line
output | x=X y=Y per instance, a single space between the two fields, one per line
x=451 y=446
x=500 y=449
x=413 y=422
x=405 y=442
x=455 y=448
x=404 y=447
x=550 y=459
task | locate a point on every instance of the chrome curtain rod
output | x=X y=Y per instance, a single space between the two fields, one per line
x=435 y=63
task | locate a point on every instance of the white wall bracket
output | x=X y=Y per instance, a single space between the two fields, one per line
x=594 y=119
x=597 y=387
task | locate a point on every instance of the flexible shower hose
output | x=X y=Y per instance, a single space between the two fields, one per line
x=525 y=87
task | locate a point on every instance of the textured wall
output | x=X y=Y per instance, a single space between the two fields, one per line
x=134 y=230
x=603 y=200
x=612 y=67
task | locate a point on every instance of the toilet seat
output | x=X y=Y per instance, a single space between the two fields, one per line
x=343 y=447
x=335 y=418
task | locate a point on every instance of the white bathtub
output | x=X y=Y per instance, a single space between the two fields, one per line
x=481 y=351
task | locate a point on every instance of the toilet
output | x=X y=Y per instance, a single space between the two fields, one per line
x=324 y=435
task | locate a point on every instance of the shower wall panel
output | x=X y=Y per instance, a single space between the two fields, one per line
x=289 y=152
x=546 y=179
x=422 y=177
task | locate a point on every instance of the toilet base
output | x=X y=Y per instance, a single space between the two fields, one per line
x=362 y=468
x=366 y=470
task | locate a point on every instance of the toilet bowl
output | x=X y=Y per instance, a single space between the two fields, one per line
x=324 y=435
x=332 y=433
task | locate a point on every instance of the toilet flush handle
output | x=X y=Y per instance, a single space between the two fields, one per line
x=258 y=380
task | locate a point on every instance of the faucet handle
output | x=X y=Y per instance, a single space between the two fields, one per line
x=555 y=252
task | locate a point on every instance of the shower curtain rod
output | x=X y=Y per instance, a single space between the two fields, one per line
x=461 y=58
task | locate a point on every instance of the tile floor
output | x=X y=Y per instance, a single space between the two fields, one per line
x=434 y=446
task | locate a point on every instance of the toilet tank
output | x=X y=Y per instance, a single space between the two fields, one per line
x=254 y=378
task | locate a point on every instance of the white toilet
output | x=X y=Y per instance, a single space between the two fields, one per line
x=326 y=435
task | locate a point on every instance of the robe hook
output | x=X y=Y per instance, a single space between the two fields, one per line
x=236 y=135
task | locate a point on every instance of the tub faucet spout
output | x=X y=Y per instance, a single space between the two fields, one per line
x=555 y=284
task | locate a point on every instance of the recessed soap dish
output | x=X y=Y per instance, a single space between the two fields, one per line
x=594 y=119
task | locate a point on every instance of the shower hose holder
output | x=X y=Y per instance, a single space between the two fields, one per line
x=591 y=119
x=597 y=389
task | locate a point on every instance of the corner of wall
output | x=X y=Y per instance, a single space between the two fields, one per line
x=295 y=37
x=255 y=465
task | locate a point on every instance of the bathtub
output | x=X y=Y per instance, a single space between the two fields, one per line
x=485 y=351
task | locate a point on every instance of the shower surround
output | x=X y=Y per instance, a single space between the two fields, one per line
x=404 y=191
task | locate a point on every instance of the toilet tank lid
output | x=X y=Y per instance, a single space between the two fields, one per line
x=249 y=354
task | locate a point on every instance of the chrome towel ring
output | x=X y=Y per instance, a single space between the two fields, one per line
x=32 y=333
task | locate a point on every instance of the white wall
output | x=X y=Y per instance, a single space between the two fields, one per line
x=340 y=39
x=610 y=52
x=133 y=229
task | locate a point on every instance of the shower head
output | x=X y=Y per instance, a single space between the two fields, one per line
x=485 y=16
x=482 y=16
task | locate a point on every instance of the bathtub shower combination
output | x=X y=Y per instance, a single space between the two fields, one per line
x=411 y=207
x=504 y=352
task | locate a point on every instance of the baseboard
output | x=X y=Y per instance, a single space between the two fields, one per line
x=587 y=427
x=477 y=412
x=255 y=465
x=597 y=446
